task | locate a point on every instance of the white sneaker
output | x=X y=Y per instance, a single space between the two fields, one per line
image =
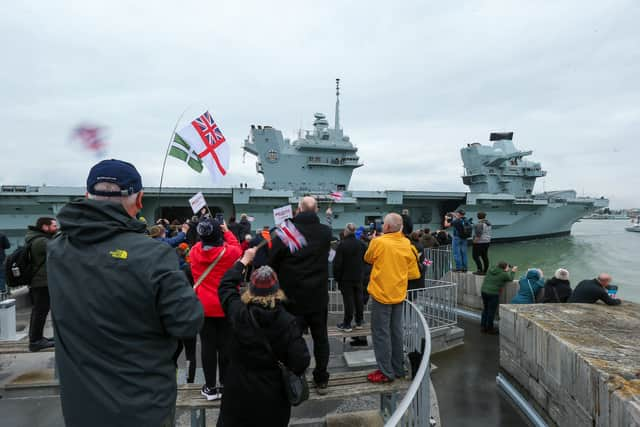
x=210 y=393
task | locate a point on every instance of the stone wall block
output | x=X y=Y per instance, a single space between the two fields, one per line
x=507 y=324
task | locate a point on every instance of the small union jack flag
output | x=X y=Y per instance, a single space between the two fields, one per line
x=291 y=236
x=427 y=262
x=336 y=195
x=91 y=137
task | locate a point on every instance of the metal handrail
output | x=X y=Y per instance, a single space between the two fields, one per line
x=419 y=380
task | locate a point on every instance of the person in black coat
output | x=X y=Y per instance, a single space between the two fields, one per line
x=254 y=393
x=304 y=278
x=348 y=268
x=557 y=289
x=590 y=291
x=418 y=283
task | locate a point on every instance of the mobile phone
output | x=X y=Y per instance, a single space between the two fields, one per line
x=220 y=218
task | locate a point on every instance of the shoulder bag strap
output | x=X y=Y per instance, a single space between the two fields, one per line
x=208 y=270
x=531 y=289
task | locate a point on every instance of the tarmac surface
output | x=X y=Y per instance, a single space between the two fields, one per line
x=465 y=382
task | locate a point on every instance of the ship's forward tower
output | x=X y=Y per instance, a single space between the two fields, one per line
x=321 y=160
x=499 y=168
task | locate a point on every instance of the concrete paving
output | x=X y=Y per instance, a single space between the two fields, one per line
x=466 y=383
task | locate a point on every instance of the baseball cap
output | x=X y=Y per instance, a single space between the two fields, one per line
x=460 y=211
x=116 y=172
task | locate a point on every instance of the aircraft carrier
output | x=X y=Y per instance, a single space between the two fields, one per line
x=321 y=161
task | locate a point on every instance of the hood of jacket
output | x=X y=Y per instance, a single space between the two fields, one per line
x=33 y=233
x=92 y=221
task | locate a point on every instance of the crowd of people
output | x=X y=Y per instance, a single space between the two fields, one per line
x=127 y=298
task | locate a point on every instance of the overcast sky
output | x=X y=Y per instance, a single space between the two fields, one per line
x=419 y=81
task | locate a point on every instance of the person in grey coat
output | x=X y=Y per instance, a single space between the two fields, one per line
x=119 y=305
x=481 y=242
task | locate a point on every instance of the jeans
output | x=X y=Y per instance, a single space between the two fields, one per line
x=352 y=298
x=317 y=324
x=490 y=304
x=39 y=312
x=213 y=338
x=460 y=252
x=386 y=332
x=480 y=253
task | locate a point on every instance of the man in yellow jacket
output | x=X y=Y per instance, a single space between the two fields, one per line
x=394 y=264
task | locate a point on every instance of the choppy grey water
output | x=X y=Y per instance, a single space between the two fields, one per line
x=594 y=246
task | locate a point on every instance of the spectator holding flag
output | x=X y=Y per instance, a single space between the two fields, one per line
x=304 y=275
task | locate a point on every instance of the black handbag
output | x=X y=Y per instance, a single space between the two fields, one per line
x=295 y=386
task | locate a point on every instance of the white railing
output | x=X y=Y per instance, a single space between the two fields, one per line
x=439 y=262
x=414 y=410
x=438 y=303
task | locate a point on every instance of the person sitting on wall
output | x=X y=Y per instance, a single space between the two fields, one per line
x=497 y=278
x=590 y=291
x=557 y=289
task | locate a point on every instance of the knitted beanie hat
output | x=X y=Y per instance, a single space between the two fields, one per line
x=209 y=231
x=561 y=274
x=263 y=282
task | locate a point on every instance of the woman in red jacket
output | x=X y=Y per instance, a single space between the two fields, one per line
x=218 y=247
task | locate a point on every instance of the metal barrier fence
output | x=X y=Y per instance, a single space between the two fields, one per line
x=438 y=303
x=414 y=410
x=438 y=261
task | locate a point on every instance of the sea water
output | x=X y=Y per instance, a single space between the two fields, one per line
x=594 y=246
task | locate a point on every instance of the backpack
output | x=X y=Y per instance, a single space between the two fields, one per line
x=18 y=267
x=466 y=229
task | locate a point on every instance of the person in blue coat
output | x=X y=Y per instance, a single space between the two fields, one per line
x=528 y=287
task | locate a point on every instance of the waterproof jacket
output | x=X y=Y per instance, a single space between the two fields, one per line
x=119 y=304
x=38 y=240
x=394 y=264
x=590 y=291
x=528 y=288
x=556 y=290
x=201 y=257
x=348 y=264
x=419 y=251
x=253 y=389
x=495 y=280
x=304 y=275
x=244 y=228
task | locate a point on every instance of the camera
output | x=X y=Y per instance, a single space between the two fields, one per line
x=220 y=217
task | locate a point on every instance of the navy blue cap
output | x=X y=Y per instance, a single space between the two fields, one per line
x=117 y=172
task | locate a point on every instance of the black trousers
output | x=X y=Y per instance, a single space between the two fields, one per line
x=352 y=298
x=39 y=312
x=317 y=324
x=480 y=253
x=490 y=304
x=213 y=338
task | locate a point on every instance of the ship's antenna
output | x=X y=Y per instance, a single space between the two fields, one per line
x=337 y=121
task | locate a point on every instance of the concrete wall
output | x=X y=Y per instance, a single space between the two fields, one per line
x=469 y=290
x=579 y=363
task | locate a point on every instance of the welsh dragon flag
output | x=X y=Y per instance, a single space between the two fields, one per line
x=202 y=143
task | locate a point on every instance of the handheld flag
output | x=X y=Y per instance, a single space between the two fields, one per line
x=92 y=137
x=291 y=236
x=336 y=196
x=206 y=140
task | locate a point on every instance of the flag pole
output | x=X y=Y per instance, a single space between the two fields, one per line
x=166 y=155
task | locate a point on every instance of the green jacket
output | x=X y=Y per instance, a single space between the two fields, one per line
x=495 y=280
x=119 y=304
x=38 y=240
